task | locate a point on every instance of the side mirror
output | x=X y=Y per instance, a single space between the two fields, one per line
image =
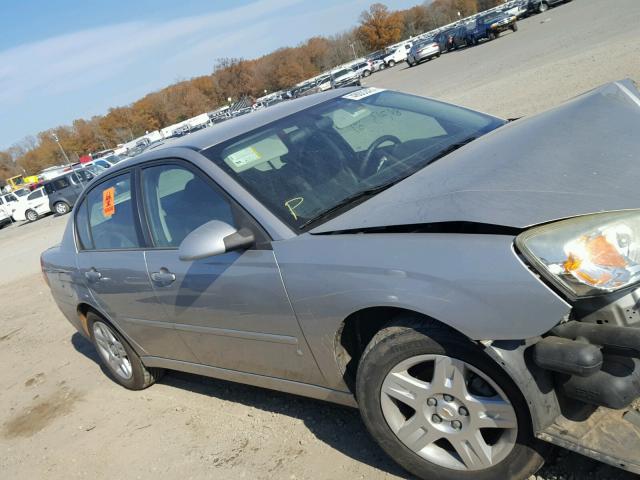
x=214 y=238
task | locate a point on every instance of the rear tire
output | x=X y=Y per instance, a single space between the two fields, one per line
x=392 y=63
x=514 y=27
x=543 y=7
x=436 y=444
x=31 y=215
x=117 y=356
x=62 y=208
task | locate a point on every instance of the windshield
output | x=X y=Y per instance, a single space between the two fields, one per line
x=491 y=17
x=314 y=161
x=340 y=73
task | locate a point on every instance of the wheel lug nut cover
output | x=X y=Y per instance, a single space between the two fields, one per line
x=436 y=419
x=448 y=398
x=456 y=425
x=432 y=402
x=463 y=411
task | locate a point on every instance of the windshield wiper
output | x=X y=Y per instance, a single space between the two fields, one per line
x=356 y=197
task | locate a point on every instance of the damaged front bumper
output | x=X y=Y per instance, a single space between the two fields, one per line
x=586 y=376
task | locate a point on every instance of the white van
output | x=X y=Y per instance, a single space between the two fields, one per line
x=32 y=206
x=398 y=54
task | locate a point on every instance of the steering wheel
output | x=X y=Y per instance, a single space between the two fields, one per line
x=369 y=154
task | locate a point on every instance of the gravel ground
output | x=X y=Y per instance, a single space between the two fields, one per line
x=61 y=418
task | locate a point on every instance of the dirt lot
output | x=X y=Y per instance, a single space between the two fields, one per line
x=60 y=417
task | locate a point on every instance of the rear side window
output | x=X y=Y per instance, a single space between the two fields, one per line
x=82 y=227
x=110 y=215
x=35 y=195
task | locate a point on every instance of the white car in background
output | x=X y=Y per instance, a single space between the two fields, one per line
x=32 y=206
x=5 y=216
x=399 y=54
x=9 y=202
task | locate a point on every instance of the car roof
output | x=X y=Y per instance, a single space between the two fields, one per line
x=234 y=127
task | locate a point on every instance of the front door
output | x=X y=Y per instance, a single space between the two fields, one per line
x=113 y=265
x=231 y=309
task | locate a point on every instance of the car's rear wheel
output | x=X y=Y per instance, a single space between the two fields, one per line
x=543 y=7
x=31 y=215
x=442 y=408
x=514 y=27
x=366 y=73
x=121 y=361
x=62 y=208
x=392 y=63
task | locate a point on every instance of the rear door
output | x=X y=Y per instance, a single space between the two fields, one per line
x=231 y=309
x=111 y=259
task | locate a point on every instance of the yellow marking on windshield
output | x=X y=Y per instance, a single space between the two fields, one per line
x=292 y=204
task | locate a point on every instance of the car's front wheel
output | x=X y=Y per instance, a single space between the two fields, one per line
x=62 y=208
x=122 y=362
x=392 y=63
x=514 y=27
x=442 y=409
x=543 y=7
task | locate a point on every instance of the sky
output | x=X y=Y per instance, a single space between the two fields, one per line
x=67 y=59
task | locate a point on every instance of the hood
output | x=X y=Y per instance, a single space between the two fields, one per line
x=581 y=157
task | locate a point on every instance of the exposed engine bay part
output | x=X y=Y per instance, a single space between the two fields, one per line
x=571 y=357
x=615 y=386
x=617 y=340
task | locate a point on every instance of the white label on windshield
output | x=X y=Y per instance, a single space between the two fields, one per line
x=243 y=157
x=365 y=92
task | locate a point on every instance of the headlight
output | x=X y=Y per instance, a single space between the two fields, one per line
x=588 y=255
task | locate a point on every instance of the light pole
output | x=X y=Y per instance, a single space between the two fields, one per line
x=55 y=137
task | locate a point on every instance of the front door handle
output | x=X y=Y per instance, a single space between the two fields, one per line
x=92 y=275
x=163 y=278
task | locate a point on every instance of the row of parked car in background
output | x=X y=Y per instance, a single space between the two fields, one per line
x=470 y=31
x=55 y=189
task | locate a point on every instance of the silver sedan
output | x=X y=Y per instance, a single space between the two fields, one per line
x=470 y=284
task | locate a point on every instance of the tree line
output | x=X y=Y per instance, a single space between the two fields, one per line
x=232 y=78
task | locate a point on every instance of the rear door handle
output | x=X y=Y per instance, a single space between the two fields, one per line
x=163 y=278
x=92 y=275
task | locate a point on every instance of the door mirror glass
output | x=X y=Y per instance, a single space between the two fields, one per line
x=214 y=238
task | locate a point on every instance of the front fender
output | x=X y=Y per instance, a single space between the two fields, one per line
x=475 y=284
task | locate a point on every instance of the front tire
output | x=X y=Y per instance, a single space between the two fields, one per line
x=543 y=7
x=117 y=356
x=392 y=63
x=441 y=408
x=514 y=27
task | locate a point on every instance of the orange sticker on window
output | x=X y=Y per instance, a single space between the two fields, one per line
x=108 y=201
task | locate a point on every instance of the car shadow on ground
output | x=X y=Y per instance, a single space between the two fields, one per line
x=337 y=426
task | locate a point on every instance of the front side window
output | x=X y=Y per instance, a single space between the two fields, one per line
x=317 y=161
x=110 y=215
x=177 y=202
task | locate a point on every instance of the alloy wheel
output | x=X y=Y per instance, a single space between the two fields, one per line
x=449 y=412
x=112 y=351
